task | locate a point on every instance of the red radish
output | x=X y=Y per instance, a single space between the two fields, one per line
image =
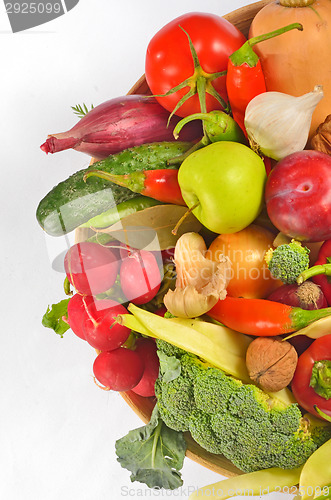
x=161 y=311
x=140 y=277
x=146 y=348
x=306 y=296
x=118 y=370
x=168 y=255
x=126 y=251
x=77 y=306
x=119 y=124
x=91 y=268
x=100 y=328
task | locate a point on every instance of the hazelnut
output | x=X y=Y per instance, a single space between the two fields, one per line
x=271 y=362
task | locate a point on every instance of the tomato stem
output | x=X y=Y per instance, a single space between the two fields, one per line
x=199 y=83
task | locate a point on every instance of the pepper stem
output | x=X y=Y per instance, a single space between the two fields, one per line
x=247 y=55
x=261 y=38
x=133 y=181
x=321 y=378
x=196 y=116
x=314 y=271
x=179 y=159
x=326 y=417
x=303 y=317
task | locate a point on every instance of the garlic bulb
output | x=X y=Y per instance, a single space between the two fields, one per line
x=278 y=124
x=200 y=282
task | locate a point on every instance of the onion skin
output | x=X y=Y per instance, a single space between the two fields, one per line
x=308 y=297
x=297 y=61
x=119 y=124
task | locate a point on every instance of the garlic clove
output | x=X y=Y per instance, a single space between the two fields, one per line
x=278 y=124
x=188 y=302
x=200 y=282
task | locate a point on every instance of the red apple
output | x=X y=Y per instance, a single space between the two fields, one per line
x=298 y=196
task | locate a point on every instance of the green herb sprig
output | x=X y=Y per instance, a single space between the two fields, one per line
x=81 y=110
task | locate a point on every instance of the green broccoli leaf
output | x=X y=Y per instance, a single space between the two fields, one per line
x=170 y=366
x=153 y=453
x=53 y=317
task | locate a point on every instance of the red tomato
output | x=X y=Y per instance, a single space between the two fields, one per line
x=307 y=397
x=169 y=60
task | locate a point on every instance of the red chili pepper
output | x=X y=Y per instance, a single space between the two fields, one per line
x=311 y=384
x=245 y=79
x=162 y=184
x=320 y=272
x=262 y=317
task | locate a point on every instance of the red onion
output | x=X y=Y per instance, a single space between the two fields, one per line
x=119 y=124
x=309 y=296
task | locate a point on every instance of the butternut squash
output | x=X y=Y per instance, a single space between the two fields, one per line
x=298 y=60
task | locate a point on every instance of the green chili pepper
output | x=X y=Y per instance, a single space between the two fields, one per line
x=218 y=127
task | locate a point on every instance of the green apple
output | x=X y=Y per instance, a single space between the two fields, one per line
x=226 y=180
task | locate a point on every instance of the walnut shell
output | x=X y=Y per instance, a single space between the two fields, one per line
x=271 y=362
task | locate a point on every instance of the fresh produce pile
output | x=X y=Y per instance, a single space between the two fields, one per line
x=200 y=272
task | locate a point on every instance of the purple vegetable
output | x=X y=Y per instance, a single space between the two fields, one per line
x=307 y=296
x=118 y=124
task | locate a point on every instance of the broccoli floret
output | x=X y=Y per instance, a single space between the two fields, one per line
x=288 y=419
x=248 y=401
x=287 y=261
x=175 y=401
x=201 y=431
x=169 y=349
x=175 y=397
x=212 y=390
x=237 y=420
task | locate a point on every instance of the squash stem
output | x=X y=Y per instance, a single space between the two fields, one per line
x=296 y=3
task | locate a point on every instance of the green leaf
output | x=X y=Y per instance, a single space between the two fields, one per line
x=81 y=110
x=170 y=366
x=53 y=317
x=154 y=454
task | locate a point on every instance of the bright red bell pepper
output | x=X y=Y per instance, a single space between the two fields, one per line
x=311 y=384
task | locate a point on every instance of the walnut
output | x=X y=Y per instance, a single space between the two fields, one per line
x=271 y=362
x=321 y=141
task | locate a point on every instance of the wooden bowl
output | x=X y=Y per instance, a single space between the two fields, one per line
x=143 y=407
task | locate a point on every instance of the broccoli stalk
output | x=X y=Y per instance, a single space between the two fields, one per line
x=237 y=420
x=288 y=261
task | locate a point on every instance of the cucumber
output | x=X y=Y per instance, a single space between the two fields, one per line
x=122 y=210
x=73 y=202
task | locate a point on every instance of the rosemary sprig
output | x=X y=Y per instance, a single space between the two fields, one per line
x=81 y=110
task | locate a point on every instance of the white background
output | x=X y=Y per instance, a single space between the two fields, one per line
x=58 y=430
